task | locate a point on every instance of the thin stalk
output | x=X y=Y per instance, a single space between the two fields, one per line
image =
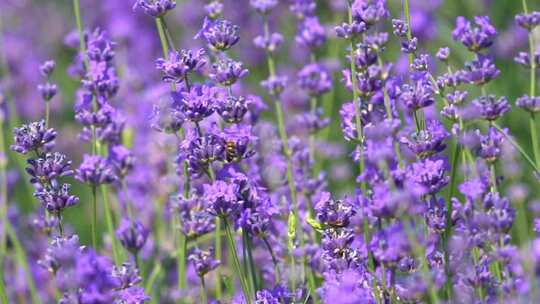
x=449 y=226
x=110 y=225
x=285 y=146
x=3 y=294
x=94 y=218
x=419 y=252
x=359 y=131
x=406 y=11
x=277 y=273
x=47 y=113
x=532 y=91
x=22 y=258
x=153 y=276
x=533 y=125
x=519 y=148
x=218 y=254
x=248 y=260
x=181 y=262
x=3 y=210
x=236 y=262
x=166 y=41
x=203 y=291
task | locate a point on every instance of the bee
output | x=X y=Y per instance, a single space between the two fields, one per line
x=231 y=153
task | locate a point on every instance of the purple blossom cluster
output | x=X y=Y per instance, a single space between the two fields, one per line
x=210 y=170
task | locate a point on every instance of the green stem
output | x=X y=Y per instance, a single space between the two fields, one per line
x=47 y=113
x=23 y=261
x=359 y=131
x=3 y=294
x=449 y=210
x=419 y=252
x=3 y=210
x=277 y=273
x=248 y=259
x=82 y=41
x=534 y=138
x=181 y=261
x=218 y=254
x=519 y=148
x=285 y=144
x=204 y=300
x=94 y=218
x=236 y=262
x=162 y=37
x=110 y=225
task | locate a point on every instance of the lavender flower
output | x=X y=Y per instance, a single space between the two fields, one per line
x=475 y=37
x=275 y=84
x=270 y=43
x=197 y=103
x=47 y=68
x=400 y=28
x=429 y=175
x=263 y=7
x=47 y=169
x=180 y=64
x=33 y=137
x=443 y=54
x=429 y=141
x=203 y=261
x=47 y=90
x=220 y=34
x=490 y=144
x=222 y=198
x=55 y=199
x=233 y=109
x=95 y=170
x=155 y=8
x=490 y=107
x=311 y=34
x=528 y=21
x=315 y=79
x=529 y=104
x=132 y=234
x=227 y=71
x=336 y=214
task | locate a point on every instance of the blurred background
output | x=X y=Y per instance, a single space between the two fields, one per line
x=34 y=31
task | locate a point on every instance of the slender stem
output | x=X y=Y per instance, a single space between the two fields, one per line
x=359 y=131
x=493 y=178
x=277 y=273
x=285 y=144
x=23 y=261
x=532 y=91
x=166 y=42
x=448 y=227
x=534 y=138
x=236 y=262
x=406 y=11
x=110 y=225
x=218 y=255
x=162 y=37
x=181 y=262
x=204 y=300
x=248 y=260
x=47 y=113
x=3 y=294
x=419 y=252
x=94 y=218
x=82 y=41
x=3 y=209
x=519 y=148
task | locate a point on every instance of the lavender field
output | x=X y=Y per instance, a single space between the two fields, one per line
x=269 y=151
